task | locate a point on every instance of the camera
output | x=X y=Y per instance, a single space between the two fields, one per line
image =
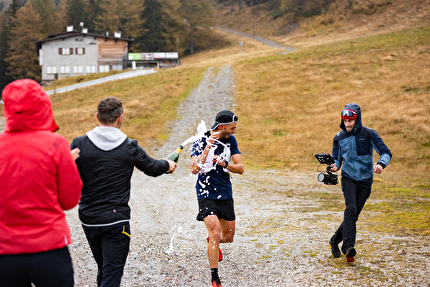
x=328 y=178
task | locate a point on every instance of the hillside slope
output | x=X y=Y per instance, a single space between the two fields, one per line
x=259 y=20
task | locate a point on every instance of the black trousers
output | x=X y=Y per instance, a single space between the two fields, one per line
x=45 y=269
x=355 y=194
x=110 y=246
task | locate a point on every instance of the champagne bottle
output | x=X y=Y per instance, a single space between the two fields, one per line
x=175 y=155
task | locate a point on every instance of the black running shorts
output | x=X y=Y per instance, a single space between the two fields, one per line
x=224 y=209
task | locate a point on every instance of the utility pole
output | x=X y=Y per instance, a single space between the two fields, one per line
x=177 y=45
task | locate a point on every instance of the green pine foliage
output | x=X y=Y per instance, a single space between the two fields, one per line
x=152 y=40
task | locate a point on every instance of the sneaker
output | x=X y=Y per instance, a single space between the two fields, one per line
x=216 y=283
x=350 y=259
x=334 y=249
x=350 y=253
x=219 y=251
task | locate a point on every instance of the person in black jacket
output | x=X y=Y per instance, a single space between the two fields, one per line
x=106 y=163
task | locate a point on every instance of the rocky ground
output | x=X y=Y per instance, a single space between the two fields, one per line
x=282 y=233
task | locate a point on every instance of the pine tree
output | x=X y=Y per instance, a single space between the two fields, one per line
x=76 y=13
x=152 y=40
x=93 y=11
x=22 y=55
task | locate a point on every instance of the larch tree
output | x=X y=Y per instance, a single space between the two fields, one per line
x=198 y=17
x=22 y=56
x=123 y=16
x=47 y=12
x=131 y=19
x=173 y=26
x=109 y=18
x=61 y=12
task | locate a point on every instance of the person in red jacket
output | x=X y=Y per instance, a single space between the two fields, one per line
x=38 y=180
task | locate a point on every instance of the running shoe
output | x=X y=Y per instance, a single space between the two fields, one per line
x=220 y=252
x=216 y=283
x=350 y=259
x=350 y=253
x=334 y=249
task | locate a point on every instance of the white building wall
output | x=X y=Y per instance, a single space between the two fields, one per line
x=69 y=64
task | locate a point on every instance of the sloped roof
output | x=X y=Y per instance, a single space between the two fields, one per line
x=75 y=33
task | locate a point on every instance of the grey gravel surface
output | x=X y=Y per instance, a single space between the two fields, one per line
x=281 y=233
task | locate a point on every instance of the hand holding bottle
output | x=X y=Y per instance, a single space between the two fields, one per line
x=172 y=166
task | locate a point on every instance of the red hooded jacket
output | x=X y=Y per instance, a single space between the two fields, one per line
x=38 y=176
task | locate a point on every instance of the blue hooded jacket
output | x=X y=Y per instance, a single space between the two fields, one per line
x=355 y=150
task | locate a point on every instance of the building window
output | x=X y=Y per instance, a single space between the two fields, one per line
x=91 y=69
x=65 y=51
x=64 y=70
x=51 y=69
x=80 y=51
x=103 y=68
x=78 y=70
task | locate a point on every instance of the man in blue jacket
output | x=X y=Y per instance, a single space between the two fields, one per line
x=353 y=147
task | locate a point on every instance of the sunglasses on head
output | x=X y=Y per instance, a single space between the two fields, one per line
x=348 y=113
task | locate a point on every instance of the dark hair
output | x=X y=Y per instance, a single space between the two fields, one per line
x=109 y=110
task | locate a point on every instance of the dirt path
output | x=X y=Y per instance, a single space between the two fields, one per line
x=282 y=232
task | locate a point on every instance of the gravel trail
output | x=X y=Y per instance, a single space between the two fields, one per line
x=281 y=237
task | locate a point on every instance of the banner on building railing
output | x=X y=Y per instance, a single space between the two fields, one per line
x=152 y=56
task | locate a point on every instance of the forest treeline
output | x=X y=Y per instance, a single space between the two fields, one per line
x=155 y=26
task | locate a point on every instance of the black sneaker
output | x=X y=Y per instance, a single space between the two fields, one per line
x=350 y=251
x=334 y=249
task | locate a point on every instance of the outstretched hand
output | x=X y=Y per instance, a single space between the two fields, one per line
x=172 y=166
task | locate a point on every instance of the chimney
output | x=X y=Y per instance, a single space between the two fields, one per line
x=84 y=30
x=118 y=34
x=107 y=33
x=69 y=28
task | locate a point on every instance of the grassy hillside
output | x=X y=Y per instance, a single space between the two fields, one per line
x=339 y=21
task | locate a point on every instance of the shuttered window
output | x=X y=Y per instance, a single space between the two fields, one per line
x=80 y=51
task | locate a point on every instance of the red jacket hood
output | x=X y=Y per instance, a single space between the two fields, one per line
x=27 y=107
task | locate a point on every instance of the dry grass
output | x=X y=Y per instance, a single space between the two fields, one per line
x=342 y=23
x=68 y=81
x=149 y=103
x=231 y=54
x=290 y=105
